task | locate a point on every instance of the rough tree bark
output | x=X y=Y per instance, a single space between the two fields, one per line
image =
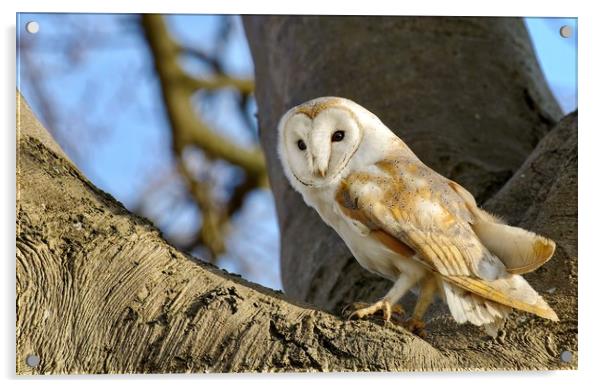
x=99 y=291
x=466 y=94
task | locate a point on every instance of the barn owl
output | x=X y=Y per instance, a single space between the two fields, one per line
x=405 y=222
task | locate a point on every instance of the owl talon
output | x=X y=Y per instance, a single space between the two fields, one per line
x=397 y=312
x=348 y=311
x=416 y=326
x=380 y=306
x=363 y=310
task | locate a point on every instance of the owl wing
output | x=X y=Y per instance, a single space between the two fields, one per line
x=520 y=250
x=426 y=216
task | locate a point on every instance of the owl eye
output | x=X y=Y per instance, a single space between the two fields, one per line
x=338 y=136
x=301 y=145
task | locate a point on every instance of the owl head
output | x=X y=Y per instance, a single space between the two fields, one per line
x=318 y=139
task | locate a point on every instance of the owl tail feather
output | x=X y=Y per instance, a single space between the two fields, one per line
x=468 y=307
x=510 y=290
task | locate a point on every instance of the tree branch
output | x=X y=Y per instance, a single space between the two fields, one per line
x=185 y=122
x=99 y=291
x=189 y=129
x=217 y=82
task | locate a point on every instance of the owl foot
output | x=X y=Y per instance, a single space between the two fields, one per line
x=362 y=310
x=416 y=326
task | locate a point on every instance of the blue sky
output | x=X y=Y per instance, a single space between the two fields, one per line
x=557 y=57
x=122 y=142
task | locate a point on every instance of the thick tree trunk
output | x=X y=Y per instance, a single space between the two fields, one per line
x=466 y=94
x=99 y=290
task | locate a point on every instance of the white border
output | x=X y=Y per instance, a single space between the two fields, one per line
x=337 y=7
x=590 y=141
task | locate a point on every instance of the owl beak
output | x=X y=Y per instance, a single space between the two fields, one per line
x=320 y=146
x=319 y=166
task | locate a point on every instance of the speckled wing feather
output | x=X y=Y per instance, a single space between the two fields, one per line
x=423 y=211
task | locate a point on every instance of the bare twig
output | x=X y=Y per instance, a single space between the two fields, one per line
x=189 y=129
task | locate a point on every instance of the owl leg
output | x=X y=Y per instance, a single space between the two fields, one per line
x=387 y=304
x=425 y=298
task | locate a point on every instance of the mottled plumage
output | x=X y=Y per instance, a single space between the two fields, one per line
x=404 y=221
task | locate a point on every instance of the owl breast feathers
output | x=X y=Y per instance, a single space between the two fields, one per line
x=404 y=221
